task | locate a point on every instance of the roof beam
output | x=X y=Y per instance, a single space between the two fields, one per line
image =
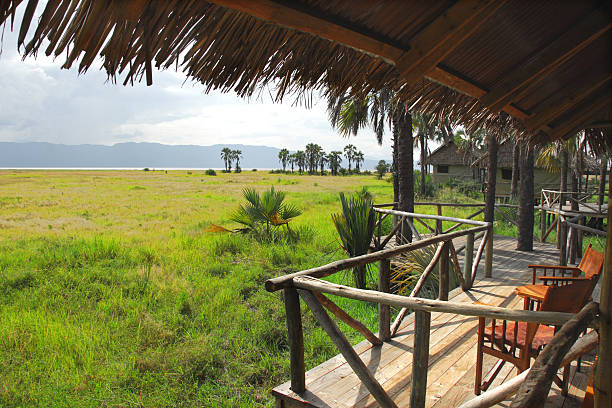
x=298 y=20
x=443 y=35
x=548 y=59
x=443 y=76
x=582 y=117
x=565 y=99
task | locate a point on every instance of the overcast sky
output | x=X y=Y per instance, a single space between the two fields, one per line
x=41 y=102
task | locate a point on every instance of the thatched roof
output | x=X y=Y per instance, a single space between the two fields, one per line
x=540 y=69
x=450 y=154
x=504 y=158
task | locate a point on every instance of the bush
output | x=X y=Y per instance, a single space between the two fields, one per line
x=343 y=171
x=210 y=172
x=146 y=169
x=469 y=188
x=430 y=186
x=254 y=170
x=355 y=226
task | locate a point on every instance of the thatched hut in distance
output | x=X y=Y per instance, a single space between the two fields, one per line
x=542 y=178
x=450 y=161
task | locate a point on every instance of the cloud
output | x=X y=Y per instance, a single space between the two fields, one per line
x=41 y=102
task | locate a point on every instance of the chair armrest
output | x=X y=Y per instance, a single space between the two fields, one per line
x=563 y=278
x=561 y=268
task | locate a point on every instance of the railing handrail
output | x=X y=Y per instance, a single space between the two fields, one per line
x=281 y=282
x=429 y=305
x=430 y=217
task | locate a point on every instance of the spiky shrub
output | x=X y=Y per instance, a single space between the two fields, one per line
x=410 y=268
x=263 y=214
x=355 y=226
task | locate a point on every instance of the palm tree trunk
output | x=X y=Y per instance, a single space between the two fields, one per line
x=525 y=211
x=405 y=168
x=564 y=167
x=515 y=171
x=602 y=180
x=492 y=146
x=423 y=158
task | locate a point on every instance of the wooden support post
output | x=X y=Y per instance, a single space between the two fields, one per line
x=439 y=222
x=542 y=222
x=384 y=311
x=562 y=241
x=579 y=237
x=345 y=348
x=489 y=253
x=602 y=384
x=443 y=268
x=296 y=340
x=420 y=362
x=467 y=260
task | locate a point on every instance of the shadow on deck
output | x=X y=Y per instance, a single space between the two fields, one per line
x=452 y=354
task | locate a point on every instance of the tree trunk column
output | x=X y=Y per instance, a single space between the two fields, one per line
x=403 y=122
x=515 y=171
x=489 y=213
x=525 y=212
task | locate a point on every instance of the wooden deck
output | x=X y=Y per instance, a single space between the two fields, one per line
x=452 y=355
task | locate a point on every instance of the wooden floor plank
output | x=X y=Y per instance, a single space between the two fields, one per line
x=452 y=346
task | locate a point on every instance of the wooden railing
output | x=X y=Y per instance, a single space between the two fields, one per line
x=308 y=285
x=311 y=289
x=569 y=231
x=550 y=198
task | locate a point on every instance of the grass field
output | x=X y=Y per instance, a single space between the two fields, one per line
x=113 y=294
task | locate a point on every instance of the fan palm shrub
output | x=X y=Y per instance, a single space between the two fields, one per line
x=410 y=268
x=263 y=214
x=355 y=226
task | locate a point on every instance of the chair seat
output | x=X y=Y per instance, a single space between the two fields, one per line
x=542 y=337
x=535 y=292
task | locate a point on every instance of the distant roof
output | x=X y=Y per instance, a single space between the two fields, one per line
x=450 y=154
x=546 y=64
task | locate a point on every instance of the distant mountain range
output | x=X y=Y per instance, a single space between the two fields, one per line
x=152 y=155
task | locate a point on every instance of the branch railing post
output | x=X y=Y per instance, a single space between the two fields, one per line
x=562 y=228
x=384 y=311
x=296 y=340
x=420 y=362
x=467 y=260
x=443 y=269
x=439 y=222
x=542 y=222
x=489 y=253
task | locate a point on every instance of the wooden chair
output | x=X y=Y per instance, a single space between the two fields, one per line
x=591 y=265
x=505 y=339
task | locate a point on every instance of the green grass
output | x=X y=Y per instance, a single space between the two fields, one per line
x=112 y=294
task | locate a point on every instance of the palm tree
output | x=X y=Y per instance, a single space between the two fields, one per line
x=334 y=159
x=313 y=151
x=226 y=154
x=358 y=158
x=349 y=114
x=322 y=162
x=425 y=131
x=300 y=160
x=349 y=153
x=236 y=155
x=292 y=160
x=283 y=156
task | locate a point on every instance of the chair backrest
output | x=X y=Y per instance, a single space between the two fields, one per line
x=592 y=262
x=568 y=298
